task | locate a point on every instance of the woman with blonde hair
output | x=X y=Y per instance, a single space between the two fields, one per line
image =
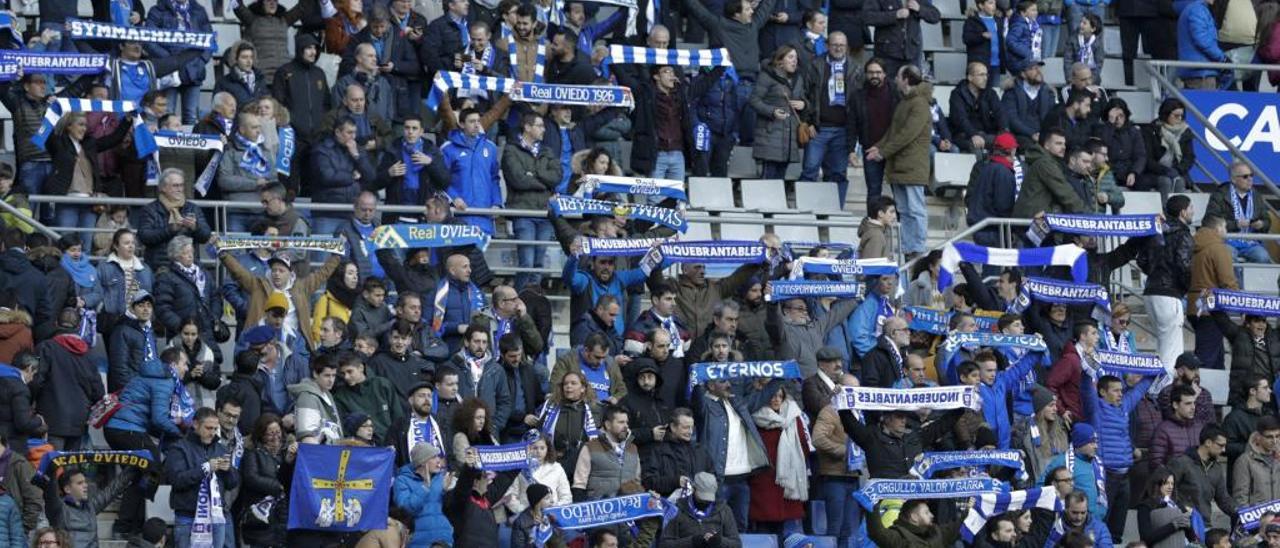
x=76 y=170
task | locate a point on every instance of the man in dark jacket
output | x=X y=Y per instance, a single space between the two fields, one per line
x=396 y=360
x=567 y=65
x=397 y=60
x=184 y=15
x=524 y=386
x=898 y=37
x=1200 y=478
x=600 y=319
x=411 y=167
x=341 y=168
x=445 y=39
x=72 y=506
x=834 y=77
x=1027 y=103
x=171 y=214
x=1074 y=119
x=132 y=341
x=891 y=448
x=18 y=276
x=374 y=396
x=531 y=171
x=245 y=386
x=418 y=426
x=713 y=525
x=27 y=104
x=885 y=364
x=302 y=88
x=358 y=232
x=870 y=111
x=657 y=354
x=66 y=385
x=1168 y=270
x=677 y=458
x=975 y=116
x=468 y=505
x=662 y=129
x=1242 y=206
x=648 y=415
x=719 y=408
x=18 y=418
x=992 y=192
x=1045 y=188
x=188 y=464
x=1242 y=421
x=1255 y=352
x=736 y=28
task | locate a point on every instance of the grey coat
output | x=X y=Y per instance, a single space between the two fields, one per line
x=236 y=183
x=530 y=181
x=801 y=342
x=1201 y=485
x=776 y=139
x=81 y=520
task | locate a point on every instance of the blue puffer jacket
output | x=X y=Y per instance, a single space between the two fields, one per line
x=995 y=396
x=862 y=323
x=334 y=169
x=11 y=523
x=585 y=289
x=426 y=503
x=473 y=173
x=165 y=16
x=144 y=403
x=1197 y=37
x=1111 y=421
x=718 y=107
x=1018 y=44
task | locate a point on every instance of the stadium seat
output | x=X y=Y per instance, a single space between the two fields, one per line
x=759 y=541
x=1111 y=44
x=1216 y=382
x=1053 y=72
x=951 y=170
x=1259 y=279
x=711 y=193
x=957 y=32
x=942 y=94
x=742 y=165
x=764 y=195
x=698 y=231
x=158 y=506
x=839 y=234
x=1141 y=203
x=818 y=197
x=932 y=35
x=795 y=233
x=950 y=9
x=1142 y=106
x=948 y=66
x=1113 y=76
x=752 y=230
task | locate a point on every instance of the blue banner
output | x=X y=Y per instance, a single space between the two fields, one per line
x=1117 y=363
x=568 y=94
x=618 y=247
x=938 y=322
x=723 y=371
x=1248 y=120
x=1066 y=293
x=879 y=489
x=1249 y=515
x=956 y=340
x=341 y=488
x=803 y=289
x=1239 y=302
x=931 y=463
x=721 y=252
x=597 y=513
x=409 y=236
x=56 y=63
x=1104 y=225
x=571 y=206
x=500 y=458
x=937 y=398
x=9 y=72
x=94 y=30
x=842 y=267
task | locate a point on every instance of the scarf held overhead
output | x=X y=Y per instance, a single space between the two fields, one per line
x=931 y=463
x=1239 y=302
x=500 y=458
x=1139 y=364
x=618 y=247
x=573 y=94
x=143 y=139
x=641 y=186
x=619 y=54
x=1069 y=255
x=989 y=505
x=782 y=290
x=879 y=489
x=570 y=206
x=712 y=252
x=325 y=244
x=723 y=371
x=936 y=398
x=1104 y=225
x=842 y=267
x=93 y=30
x=1066 y=293
x=410 y=236
x=53 y=460
x=56 y=63
x=598 y=513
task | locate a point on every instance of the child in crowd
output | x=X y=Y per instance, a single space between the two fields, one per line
x=1086 y=47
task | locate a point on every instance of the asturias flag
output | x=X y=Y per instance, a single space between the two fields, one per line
x=338 y=488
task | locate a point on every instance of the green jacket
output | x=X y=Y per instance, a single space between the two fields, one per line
x=1045 y=187
x=530 y=181
x=376 y=397
x=905 y=535
x=905 y=146
x=1106 y=183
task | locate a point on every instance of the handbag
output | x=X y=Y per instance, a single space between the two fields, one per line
x=805 y=132
x=106 y=408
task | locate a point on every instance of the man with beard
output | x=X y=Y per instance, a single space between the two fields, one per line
x=568 y=65
x=508 y=315
x=524 y=385
x=1045 y=188
x=724 y=319
x=585 y=288
x=397 y=361
x=396 y=61
x=445 y=39
x=609 y=464
x=1074 y=118
x=600 y=319
x=480 y=376
x=914 y=527
x=418 y=426
x=1200 y=477
x=644 y=406
x=737 y=29
x=1027 y=104
x=867 y=321
x=677 y=458
x=869 y=115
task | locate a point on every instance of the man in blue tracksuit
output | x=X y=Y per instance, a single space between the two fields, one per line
x=472 y=161
x=585 y=288
x=1084 y=444
x=995 y=387
x=867 y=319
x=1108 y=409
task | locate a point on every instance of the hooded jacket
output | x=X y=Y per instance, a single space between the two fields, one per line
x=259 y=289
x=424 y=501
x=20 y=278
x=234 y=83
x=269 y=33
x=302 y=88
x=1255 y=478
x=316 y=411
x=873 y=240
x=687 y=531
x=1210 y=267
x=644 y=409
x=66 y=385
x=144 y=403
x=127 y=349
x=905 y=147
x=80 y=519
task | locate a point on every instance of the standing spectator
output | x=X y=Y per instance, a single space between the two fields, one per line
x=1200 y=477
x=796 y=334
x=837 y=481
x=737 y=29
x=132 y=341
x=1126 y=150
x=186 y=290
x=531 y=172
x=717 y=107
x=1108 y=409
x=660 y=136
x=1064 y=376
x=777 y=499
x=259 y=477
x=373 y=396
x=868 y=320
x=72 y=508
x=1242 y=421
x=189 y=16
x=993 y=192
x=1187 y=373
x=265 y=24
x=568 y=65
x=525 y=386
x=367 y=74
x=1255 y=476
x=1198 y=42
x=170 y=215
x=418 y=426
x=1244 y=211
x=784 y=26
x=833 y=80
x=411 y=168
x=468 y=505
x=302 y=87
x=1176 y=434
x=1210 y=269
x=395 y=61
x=342 y=168
x=1255 y=352
x=1025 y=42
x=1238 y=36
x=976 y=116
x=419 y=489
x=316 y=412
x=66 y=385
x=1085 y=44
x=472 y=161
x=26 y=103
x=817 y=389
x=18 y=419
x=1160 y=516
x=733 y=441
x=905 y=150
x=873 y=105
x=984 y=41
x=534 y=517
x=1144 y=19
x=242 y=80
x=145 y=412
x=609 y=465
x=604 y=377
x=370 y=315
x=780 y=101
x=361 y=250
x=481 y=376
x=246 y=169
x=1169 y=277
x=188 y=465
x=1085 y=469
x=76 y=171
x=1073 y=118
x=1028 y=103
x=445 y=39
x=898 y=37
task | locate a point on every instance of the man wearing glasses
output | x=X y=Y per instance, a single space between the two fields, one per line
x=1244 y=211
x=1200 y=478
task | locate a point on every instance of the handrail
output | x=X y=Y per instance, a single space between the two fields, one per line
x=27 y=219
x=1222 y=138
x=966 y=233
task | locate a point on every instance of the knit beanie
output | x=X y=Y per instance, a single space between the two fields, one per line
x=1081 y=435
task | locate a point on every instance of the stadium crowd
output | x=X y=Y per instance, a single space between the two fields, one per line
x=316 y=331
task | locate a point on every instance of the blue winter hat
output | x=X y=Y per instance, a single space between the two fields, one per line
x=798 y=540
x=1082 y=434
x=261 y=334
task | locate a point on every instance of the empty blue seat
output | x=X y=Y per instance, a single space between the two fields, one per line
x=818 y=516
x=759 y=541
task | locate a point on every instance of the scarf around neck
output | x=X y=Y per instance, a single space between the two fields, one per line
x=81 y=272
x=792 y=471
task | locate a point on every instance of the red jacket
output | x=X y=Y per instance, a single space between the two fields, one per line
x=1064 y=381
x=767 y=502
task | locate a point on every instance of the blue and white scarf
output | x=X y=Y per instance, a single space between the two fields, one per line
x=288 y=144
x=712 y=252
x=53 y=460
x=424 y=431
x=573 y=94
x=599 y=513
x=540 y=59
x=1064 y=255
x=782 y=290
x=723 y=371
x=931 y=463
x=1239 y=302
x=989 y=505
x=57 y=63
x=447 y=80
x=619 y=54
x=474 y=299
x=938 y=322
x=93 y=30
x=182 y=408
x=879 y=489
x=501 y=458
x=641 y=186
x=618 y=247
x=935 y=398
x=411 y=168
x=550 y=414
x=1244 y=214
x=208 y=510
x=7 y=24
x=1099 y=473
x=1117 y=363
x=9 y=71
x=569 y=206
x=1031 y=343
x=1066 y=293
x=254 y=160
x=411 y=236
x=842 y=267
x=323 y=244
x=1125 y=226
x=143 y=140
